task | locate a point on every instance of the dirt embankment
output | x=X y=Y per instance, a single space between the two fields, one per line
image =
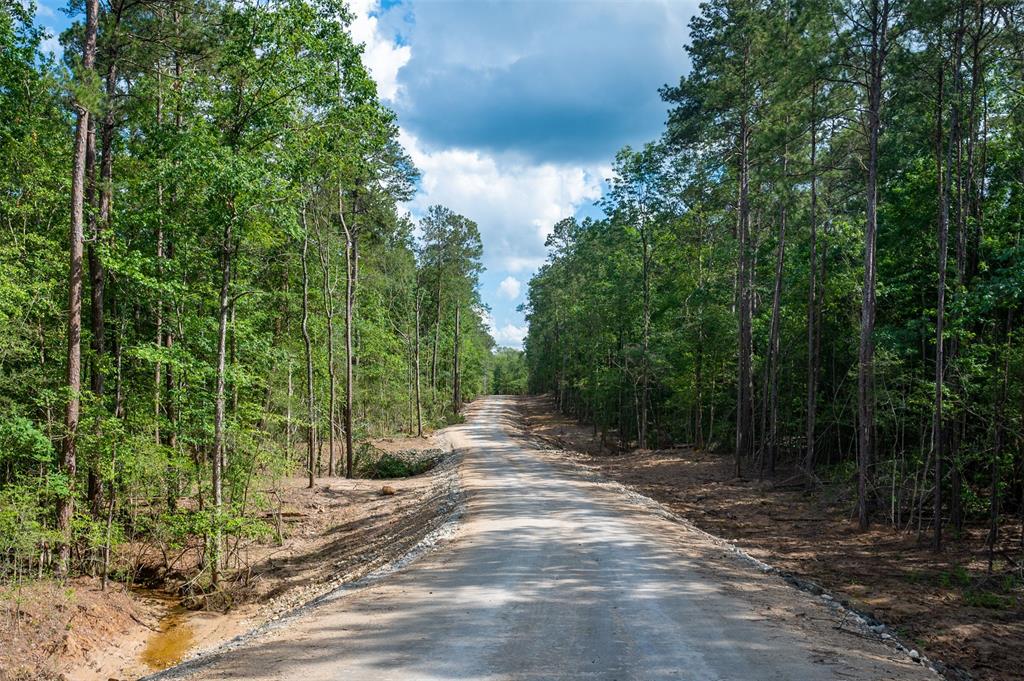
x=333 y=534
x=944 y=604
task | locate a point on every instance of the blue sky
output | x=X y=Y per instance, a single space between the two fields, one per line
x=514 y=109
x=50 y=14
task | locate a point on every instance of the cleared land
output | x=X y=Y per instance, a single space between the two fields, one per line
x=555 y=574
x=945 y=605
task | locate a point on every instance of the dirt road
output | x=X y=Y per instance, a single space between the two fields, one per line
x=554 y=575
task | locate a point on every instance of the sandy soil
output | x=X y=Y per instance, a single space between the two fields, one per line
x=927 y=598
x=333 y=534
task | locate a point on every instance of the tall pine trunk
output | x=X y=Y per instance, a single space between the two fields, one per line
x=772 y=429
x=644 y=369
x=879 y=17
x=744 y=388
x=456 y=377
x=956 y=145
x=945 y=176
x=813 y=318
x=66 y=503
x=416 y=355
x=158 y=368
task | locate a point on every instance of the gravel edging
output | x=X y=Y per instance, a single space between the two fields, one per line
x=865 y=623
x=443 y=529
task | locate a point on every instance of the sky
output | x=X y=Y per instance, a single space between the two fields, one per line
x=513 y=110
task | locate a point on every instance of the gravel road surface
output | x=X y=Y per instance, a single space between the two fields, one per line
x=556 y=575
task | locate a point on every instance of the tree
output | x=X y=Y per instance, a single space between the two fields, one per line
x=823 y=180
x=876 y=44
x=213 y=141
x=65 y=507
x=451 y=253
x=718 y=104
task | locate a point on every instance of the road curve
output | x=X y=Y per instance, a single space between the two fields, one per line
x=554 y=575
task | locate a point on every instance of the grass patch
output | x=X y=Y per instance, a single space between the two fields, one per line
x=978 y=591
x=979 y=598
x=958 y=576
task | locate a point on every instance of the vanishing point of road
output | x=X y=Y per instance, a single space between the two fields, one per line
x=554 y=574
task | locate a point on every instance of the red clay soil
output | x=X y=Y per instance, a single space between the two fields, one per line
x=945 y=604
x=44 y=623
x=333 y=533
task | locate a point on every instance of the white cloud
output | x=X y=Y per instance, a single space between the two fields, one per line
x=556 y=81
x=509 y=287
x=42 y=10
x=383 y=57
x=511 y=336
x=50 y=44
x=515 y=203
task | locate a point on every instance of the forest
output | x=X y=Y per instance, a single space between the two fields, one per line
x=243 y=340
x=818 y=265
x=206 y=280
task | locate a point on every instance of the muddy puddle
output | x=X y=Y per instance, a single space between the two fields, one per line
x=173 y=639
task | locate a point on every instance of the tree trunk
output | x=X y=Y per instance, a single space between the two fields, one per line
x=96 y=273
x=233 y=360
x=813 y=359
x=437 y=331
x=866 y=355
x=956 y=145
x=744 y=401
x=945 y=195
x=416 y=355
x=328 y=293
x=219 y=396
x=456 y=378
x=698 y=425
x=66 y=504
x=351 y=260
x=168 y=251
x=771 y=436
x=93 y=489
x=158 y=369
x=644 y=369
x=310 y=404
x=101 y=227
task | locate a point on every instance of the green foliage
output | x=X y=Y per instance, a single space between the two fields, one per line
x=959 y=576
x=509 y=376
x=634 y=321
x=390 y=466
x=23 y=445
x=24 y=523
x=239 y=134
